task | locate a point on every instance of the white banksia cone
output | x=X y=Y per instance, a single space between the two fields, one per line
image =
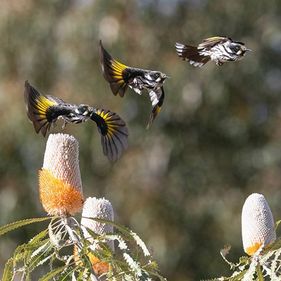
x=98 y=208
x=60 y=182
x=258 y=229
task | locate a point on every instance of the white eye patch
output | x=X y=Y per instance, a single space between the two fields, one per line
x=148 y=77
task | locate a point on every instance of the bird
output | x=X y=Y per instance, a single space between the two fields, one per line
x=44 y=110
x=217 y=49
x=121 y=76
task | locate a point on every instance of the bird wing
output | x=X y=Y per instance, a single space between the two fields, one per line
x=113 y=72
x=113 y=131
x=157 y=99
x=42 y=110
x=191 y=54
x=208 y=43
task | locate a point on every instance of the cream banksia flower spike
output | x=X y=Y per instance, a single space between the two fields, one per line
x=258 y=229
x=60 y=184
x=101 y=209
x=97 y=208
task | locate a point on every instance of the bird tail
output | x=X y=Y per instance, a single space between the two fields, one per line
x=191 y=54
x=37 y=106
x=113 y=131
x=113 y=72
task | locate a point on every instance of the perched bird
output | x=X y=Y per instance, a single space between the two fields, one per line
x=44 y=111
x=120 y=77
x=218 y=49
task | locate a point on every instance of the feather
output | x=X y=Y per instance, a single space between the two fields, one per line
x=113 y=131
x=113 y=72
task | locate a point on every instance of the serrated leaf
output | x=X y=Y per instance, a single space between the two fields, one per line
x=8 y=270
x=23 y=253
x=38 y=237
x=52 y=274
x=19 y=253
x=243 y=260
x=65 y=276
x=238 y=276
x=14 y=225
x=39 y=259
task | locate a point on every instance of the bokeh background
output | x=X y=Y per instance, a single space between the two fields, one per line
x=180 y=185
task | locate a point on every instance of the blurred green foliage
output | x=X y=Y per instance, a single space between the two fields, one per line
x=180 y=185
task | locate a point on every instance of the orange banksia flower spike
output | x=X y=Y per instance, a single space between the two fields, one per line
x=60 y=184
x=258 y=229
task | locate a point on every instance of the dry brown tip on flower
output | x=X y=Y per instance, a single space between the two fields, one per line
x=99 y=267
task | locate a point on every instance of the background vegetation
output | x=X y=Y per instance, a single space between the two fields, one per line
x=180 y=185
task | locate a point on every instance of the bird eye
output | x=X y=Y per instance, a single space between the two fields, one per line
x=235 y=48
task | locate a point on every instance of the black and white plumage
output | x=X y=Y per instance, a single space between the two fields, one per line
x=217 y=49
x=45 y=110
x=121 y=76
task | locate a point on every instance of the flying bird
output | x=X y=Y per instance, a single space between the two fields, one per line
x=121 y=76
x=217 y=49
x=45 y=110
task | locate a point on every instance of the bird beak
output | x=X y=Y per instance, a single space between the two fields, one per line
x=248 y=50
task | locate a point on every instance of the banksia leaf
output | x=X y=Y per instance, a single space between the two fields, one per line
x=258 y=229
x=14 y=225
x=8 y=270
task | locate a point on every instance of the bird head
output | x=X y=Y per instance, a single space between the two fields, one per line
x=83 y=109
x=157 y=76
x=238 y=48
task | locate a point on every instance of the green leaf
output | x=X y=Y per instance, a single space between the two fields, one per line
x=66 y=275
x=121 y=228
x=259 y=273
x=38 y=237
x=39 y=256
x=19 y=253
x=277 y=224
x=52 y=274
x=8 y=270
x=14 y=225
x=238 y=276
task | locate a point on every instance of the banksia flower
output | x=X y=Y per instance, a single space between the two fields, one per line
x=98 y=208
x=258 y=229
x=60 y=183
x=102 y=209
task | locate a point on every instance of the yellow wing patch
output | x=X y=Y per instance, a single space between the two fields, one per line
x=37 y=106
x=118 y=68
x=114 y=133
x=41 y=106
x=113 y=72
